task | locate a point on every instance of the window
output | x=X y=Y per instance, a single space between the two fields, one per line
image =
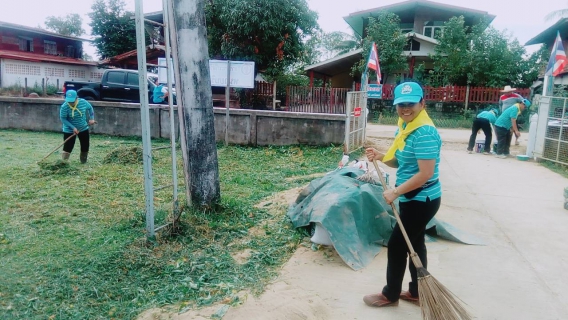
x=115 y=77
x=406 y=27
x=76 y=73
x=412 y=45
x=433 y=29
x=132 y=79
x=49 y=47
x=26 y=44
x=70 y=51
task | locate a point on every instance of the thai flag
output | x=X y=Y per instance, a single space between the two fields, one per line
x=558 y=60
x=373 y=62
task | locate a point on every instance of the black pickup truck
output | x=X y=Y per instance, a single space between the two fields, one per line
x=116 y=85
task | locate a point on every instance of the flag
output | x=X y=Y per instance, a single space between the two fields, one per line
x=373 y=62
x=557 y=60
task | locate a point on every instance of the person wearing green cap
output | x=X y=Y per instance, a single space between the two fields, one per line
x=76 y=114
x=415 y=153
x=506 y=126
x=483 y=121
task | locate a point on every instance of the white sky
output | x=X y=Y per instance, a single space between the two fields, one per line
x=524 y=20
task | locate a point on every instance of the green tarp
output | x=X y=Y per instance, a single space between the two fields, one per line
x=356 y=216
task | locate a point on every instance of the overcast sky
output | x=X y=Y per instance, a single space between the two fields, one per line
x=524 y=21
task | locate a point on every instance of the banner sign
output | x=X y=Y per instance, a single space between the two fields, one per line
x=374 y=91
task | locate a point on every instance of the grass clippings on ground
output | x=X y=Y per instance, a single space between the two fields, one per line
x=73 y=246
x=124 y=155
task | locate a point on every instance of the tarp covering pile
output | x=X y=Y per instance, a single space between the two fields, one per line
x=356 y=216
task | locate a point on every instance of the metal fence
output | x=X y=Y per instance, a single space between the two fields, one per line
x=355 y=121
x=552 y=130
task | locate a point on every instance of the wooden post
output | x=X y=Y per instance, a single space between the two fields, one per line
x=466 y=99
x=227 y=101
x=192 y=54
x=274 y=95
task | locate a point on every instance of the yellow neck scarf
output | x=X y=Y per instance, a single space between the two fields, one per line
x=399 y=141
x=74 y=108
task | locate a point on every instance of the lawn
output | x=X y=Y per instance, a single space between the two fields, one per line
x=72 y=241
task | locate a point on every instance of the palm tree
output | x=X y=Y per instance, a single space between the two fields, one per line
x=561 y=13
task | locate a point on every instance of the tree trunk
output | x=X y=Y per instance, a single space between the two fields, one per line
x=194 y=90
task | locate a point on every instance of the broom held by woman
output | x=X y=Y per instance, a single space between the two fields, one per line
x=416 y=155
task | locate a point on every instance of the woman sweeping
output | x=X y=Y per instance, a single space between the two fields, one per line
x=416 y=154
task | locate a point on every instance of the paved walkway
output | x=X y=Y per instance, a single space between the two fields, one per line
x=515 y=207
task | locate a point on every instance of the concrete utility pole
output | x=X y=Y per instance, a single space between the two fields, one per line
x=189 y=48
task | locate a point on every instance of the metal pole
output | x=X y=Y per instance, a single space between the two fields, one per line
x=227 y=97
x=145 y=117
x=169 y=68
x=179 y=97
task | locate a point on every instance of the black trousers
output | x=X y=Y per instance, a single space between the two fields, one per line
x=415 y=215
x=83 y=139
x=485 y=125
x=504 y=137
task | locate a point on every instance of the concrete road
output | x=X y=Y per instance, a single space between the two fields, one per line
x=515 y=207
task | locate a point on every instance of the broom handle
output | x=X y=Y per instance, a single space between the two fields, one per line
x=59 y=146
x=413 y=255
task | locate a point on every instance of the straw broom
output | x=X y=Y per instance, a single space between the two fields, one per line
x=436 y=301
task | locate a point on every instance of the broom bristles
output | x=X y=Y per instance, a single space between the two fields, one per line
x=436 y=301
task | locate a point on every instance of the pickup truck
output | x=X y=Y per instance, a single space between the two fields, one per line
x=115 y=85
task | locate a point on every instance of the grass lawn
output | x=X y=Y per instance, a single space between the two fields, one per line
x=72 y=241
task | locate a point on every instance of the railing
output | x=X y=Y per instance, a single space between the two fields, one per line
x=316 y=99
x=457 y=94
x=332 y=100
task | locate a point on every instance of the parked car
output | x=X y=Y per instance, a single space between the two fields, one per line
x=115 y=85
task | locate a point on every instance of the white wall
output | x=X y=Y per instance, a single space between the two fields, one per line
x=14 y=72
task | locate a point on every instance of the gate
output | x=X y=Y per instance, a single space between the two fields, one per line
x=552 y=130
x=355 y=121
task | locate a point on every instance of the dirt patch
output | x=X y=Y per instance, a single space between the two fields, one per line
x=295 y=304
x=310 y=176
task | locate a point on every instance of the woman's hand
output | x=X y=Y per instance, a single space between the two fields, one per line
x=91 y=122
x=373 y=154
x=390 y=196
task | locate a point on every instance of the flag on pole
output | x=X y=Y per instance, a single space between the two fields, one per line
x=557 y=60
x=373 y=62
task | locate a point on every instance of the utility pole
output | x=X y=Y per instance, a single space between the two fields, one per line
x=189 y=48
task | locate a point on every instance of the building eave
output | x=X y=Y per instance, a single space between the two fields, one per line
x=337 y=64
x=35 y=57
x=548 y=35
x=18 y=27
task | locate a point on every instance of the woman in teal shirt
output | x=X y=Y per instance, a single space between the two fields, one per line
x=76 y=114
x=416 y=154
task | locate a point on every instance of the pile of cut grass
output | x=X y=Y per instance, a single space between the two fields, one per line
x=124 y=155
x=73 y=246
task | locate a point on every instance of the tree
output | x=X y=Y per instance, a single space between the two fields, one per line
x=113 y=27
x=70 y=25
x=481 y=56
x=269 y=32
x=337 y=43
x=386 y=33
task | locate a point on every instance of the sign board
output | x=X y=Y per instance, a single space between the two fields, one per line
x=374 y=91
x=357 y=111
x=242 y=73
